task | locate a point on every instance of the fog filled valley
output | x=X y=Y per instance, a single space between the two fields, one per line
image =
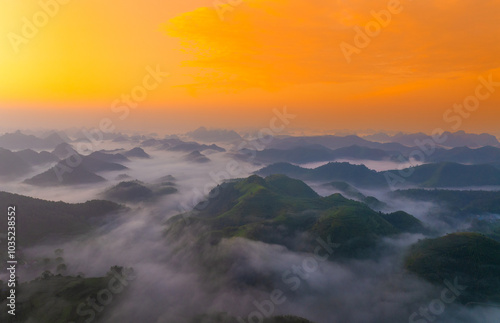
x=218 y=226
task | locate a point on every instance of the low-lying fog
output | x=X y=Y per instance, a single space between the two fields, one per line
x=377 y=165
x=172 y=286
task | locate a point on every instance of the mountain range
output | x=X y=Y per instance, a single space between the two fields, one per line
x=137 y=191
x=83 y=171
x=285 y=211
x=39 y=220
x=213 y=135
x=19 y=141
x=427 y=175
x=13 y=164
x=176 y=144
x=196 y=157
x=471 y=259
x=447 y=139
x=316 y=153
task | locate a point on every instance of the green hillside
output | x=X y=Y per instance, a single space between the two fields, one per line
x=404 y=222
x=461 y=202
x=428 y=175
x=56 y=299
x=453 y=175
x=470 y=257
x=285 y=211
x=350 y=191
x=358 y=175
x=38 y=220
x=137 y=191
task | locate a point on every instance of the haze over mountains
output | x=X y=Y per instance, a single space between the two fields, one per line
x=318 y=153
x=215 y=225
x=428 y=175
x=451 y=140
x=18 y=140
x=213 y=135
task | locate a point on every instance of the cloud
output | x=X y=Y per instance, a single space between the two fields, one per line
x=270 y=44
x=179 y=279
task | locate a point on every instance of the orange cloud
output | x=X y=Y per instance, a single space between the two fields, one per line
x=274 y=43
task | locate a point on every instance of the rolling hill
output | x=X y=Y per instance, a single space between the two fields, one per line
x=471 y=258
x=18 y=141
x=452 y=175
x=107 y=157
x=39 y=220
x=196 y=157
x=74 y=176
x=37 y=158
x=213 y=135
x=358 y=175
x=136 y=191
x=137 y=152
x=56 y=298
x=466 y=155
x=335 y=142
x=351 y=192
x=176 y=144
x=12 y=165
x=285 y=211
x=427 y=175
x=317 y=153
x=452 y=139
x=457 y=201
x=83 y=171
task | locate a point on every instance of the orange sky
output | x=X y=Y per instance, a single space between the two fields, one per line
x=264 y=54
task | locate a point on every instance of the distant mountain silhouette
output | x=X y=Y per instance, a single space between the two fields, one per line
x=151 y=142
x=315 y=153
x=190 y=146
x=175 y=144
x=460 y=138
x=466 y=155
x=455 y=139
x=55 y=139
x=335 y=142
x=64 y=150
x=166 y=178
x=19 y=141
x=136 y=191
x=100 y=165
x=470 y=257
x=358 y=175
x=452 y=175
x=34 y=158
x=12 y=165
x=213 y=135
x=77 y=175
x=75 y=170
x=428 y=175
x=45 y=220
x=363 y=153
x=107 y=157
x=121 y=138
x=458 y=203
x=137 y=152
x=378 y=137
x=122 y=177
x=196 y=157
x=351 y=192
